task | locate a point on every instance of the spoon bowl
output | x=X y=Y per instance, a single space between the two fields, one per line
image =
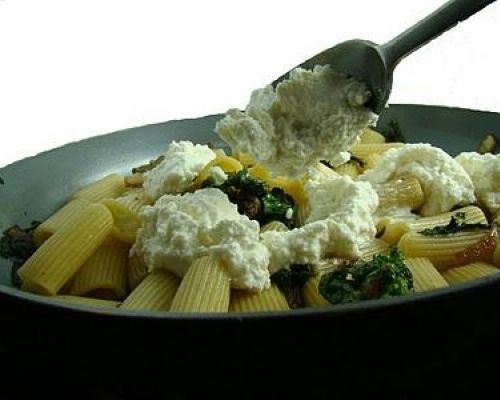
x=374 y=64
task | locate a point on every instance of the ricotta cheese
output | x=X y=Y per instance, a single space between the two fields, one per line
x=444 y=182
x=484 y=171
x=340 y=219
x=180 y=228
x=175 y=174
x=313 y=115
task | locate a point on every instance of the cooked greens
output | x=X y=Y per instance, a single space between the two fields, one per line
x=255 y=199
x=17 y=245
x=457 y=224
x=393 y=132
x=384 y=276
x=149 y=166
x=291 y=281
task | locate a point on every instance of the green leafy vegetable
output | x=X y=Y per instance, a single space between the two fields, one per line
x=149 y=166
x=393 y=132
x=384 y=276
x=17 y=245
x=455 y=225
x=254 y=199
x=291 y=281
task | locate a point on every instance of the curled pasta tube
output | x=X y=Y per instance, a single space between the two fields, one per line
x=135 y=199
x=267 y=300
x=65 y=252
x=111 y=186
x=136 y=271
x=312 y=297
x=425 y=275
x=61 y=217
x=469 y=272
x=393 y=229
x=226 y=163
x=104 y=274
x=154 y=293
x=370 y=136
x=405 y=192
x=204 y=288
x=86 y=301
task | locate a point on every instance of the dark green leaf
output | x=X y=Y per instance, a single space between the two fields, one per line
x=393 y=132
x=383 y=276
x=291 y=281
x=455 y=225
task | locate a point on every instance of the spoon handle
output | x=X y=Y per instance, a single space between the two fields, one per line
x=444 y=18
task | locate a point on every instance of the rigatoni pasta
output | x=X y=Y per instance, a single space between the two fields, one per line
x=154 y=293
x=204 y=288
x=64 y=215
x=111 y=186
x=425 y=275
x=104 y=274
x=65 y=252
x=469 y=272
x=267 y=300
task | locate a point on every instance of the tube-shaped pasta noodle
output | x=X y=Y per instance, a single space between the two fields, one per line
x=370 y=136
x=134 y=199
x=260 y=172
x=126 y=222
x=111 y=186
x=361 y=151
x=86 y=301
x=155 y=292
x=134 y=181
x=405 y=192
x=372 y=247
x=63 y=216
x=204 y=288
x=425 y=275
x=136 y=271
x=267 y=300
x=104 y=274
x=443 y=251
x=393 y=229
x=348 y=169
x=469 y=272
x=64 y=253
x=312 y=297
x=274 y=226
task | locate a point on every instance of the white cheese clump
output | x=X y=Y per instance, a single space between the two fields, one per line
x=217 y=175
x=313 y=115
x=444 y=182
x=340 y=219
x=175 y=174
x=484 y=171
x=180 y=228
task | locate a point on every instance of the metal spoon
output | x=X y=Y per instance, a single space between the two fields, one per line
x=374 y=64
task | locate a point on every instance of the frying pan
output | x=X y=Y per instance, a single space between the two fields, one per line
x=403 y=346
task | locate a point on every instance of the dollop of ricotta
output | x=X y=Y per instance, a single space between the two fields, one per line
x=313 y=115
x=340 y=219
x=484 y=171
x=444 y=182
x=180 y=228
x=175 y=174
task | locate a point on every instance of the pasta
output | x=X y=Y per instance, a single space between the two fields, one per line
x=425 y=275
x=392 y=229
x=268 y=300
x=443 y=251
x=64 y=253
x=104 y=274
x=64 y=215
x=111 y=186
x=469 y=272
x=91 y=251
x=204 y=288
x=154 y=293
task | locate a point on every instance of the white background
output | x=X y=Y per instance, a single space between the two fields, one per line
x=70 y=69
